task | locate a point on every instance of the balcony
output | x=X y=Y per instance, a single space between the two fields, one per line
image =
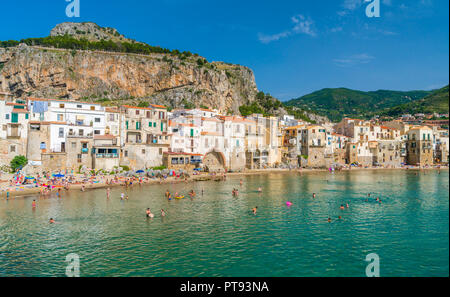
x=106 y=156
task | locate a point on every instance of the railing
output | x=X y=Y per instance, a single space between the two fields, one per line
x=107 y=156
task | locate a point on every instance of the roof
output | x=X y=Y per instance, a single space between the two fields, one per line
x=421 y=128
x=211 y=133
x=18 y=110
x=61 y=100
x=158 y=106
x=104 y=137
x=47 y=123
x=183 y=154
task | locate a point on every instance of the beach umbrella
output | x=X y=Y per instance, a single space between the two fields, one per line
x=140 y=171
x=58 y=175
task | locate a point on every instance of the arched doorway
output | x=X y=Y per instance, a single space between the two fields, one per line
x=214 y=162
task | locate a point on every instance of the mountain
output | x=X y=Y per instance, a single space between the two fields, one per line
x=437 y=102
x=83 y=61
x=341 y=102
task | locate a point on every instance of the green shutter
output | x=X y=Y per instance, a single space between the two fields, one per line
x=192 y=132
x=26 y=116
x=154 y=125
x=14 y=118
x=126 y=123
x=162 y=127
x=150 y=124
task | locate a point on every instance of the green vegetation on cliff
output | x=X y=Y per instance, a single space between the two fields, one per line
x=70 y=42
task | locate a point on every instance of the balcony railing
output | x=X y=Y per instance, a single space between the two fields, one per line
x=107 y=156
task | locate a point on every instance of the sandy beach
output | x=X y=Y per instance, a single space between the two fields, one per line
x=100 y=182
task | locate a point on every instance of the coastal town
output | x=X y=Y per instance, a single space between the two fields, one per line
x=58 y=135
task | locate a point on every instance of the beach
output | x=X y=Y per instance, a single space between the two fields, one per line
x=100 y=181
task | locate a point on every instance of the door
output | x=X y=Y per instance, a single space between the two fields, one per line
x=63 y=147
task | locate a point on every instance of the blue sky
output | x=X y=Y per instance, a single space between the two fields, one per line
x=293 y=46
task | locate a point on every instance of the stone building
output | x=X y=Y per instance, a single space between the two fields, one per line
x=314 y=140
x=419 y=146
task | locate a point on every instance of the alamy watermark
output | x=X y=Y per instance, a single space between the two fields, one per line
x=373 y=9
x=373 y=268
x=73 y=9
x=73 y=268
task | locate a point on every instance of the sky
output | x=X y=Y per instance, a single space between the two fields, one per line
x=294 y=47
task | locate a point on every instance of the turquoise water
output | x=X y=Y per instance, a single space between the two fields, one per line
x=216 y=235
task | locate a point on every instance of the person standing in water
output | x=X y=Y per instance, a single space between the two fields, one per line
x=33 y=204
x=108 y=193
x=254 y=210
x=163 y=213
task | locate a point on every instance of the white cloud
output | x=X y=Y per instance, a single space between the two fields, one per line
x=302 y=25
x=353 y=60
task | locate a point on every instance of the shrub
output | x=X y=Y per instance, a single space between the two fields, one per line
x=18 y=162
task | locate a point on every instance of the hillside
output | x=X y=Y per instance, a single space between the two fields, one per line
x=434 y=102
x=337 y=103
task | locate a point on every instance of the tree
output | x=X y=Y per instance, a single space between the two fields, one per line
x=18 y=162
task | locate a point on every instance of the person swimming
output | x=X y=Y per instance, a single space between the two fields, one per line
x=329 y=220
x=254 y=210
x=314 y=195
x=52 y=221
x=260 y=190
x=342 y=207
x=163 y=213
x=122 y=196
x=347 y=205
x=149 y=213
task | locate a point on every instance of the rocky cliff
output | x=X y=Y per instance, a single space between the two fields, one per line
x=116 y=78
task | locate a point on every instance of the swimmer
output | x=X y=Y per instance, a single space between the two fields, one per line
x=241 y=182
x=347 y=205
x=52 y=221
x=149 y=214
x=314 y=195
x=342 y=207
x=167 y=194
x=122 y=196
x=260 y=190
x=254 y=210
x=340 y=218
x=329 y=220
x=108 y=193
x=163 y=213
x=33 y=204
x=126 y=197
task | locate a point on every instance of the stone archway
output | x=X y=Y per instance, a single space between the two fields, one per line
x=214 y=161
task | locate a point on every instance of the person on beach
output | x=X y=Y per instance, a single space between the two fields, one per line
x=254 y=210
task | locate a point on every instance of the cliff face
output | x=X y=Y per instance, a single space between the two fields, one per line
x=117 y=78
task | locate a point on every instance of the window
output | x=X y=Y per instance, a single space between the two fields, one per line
x=12 y=149
x=97 y=120
x=61 y=106
x=160 y=151
x=81 y=132
x=137 y=112
x=92 y=107
x=97 y=132
x=79 y=106
x=112 y=118
x=60 y=117
x=74 y=145
x=61 y=133
x=79 y=157
x=143 y=152
x=150 y=124
x=126 y=153
x=7 y=116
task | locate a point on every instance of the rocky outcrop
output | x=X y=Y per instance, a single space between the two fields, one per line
x=117 y=77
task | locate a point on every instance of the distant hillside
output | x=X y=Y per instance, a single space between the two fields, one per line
x=341 y=102
x=434 y=102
